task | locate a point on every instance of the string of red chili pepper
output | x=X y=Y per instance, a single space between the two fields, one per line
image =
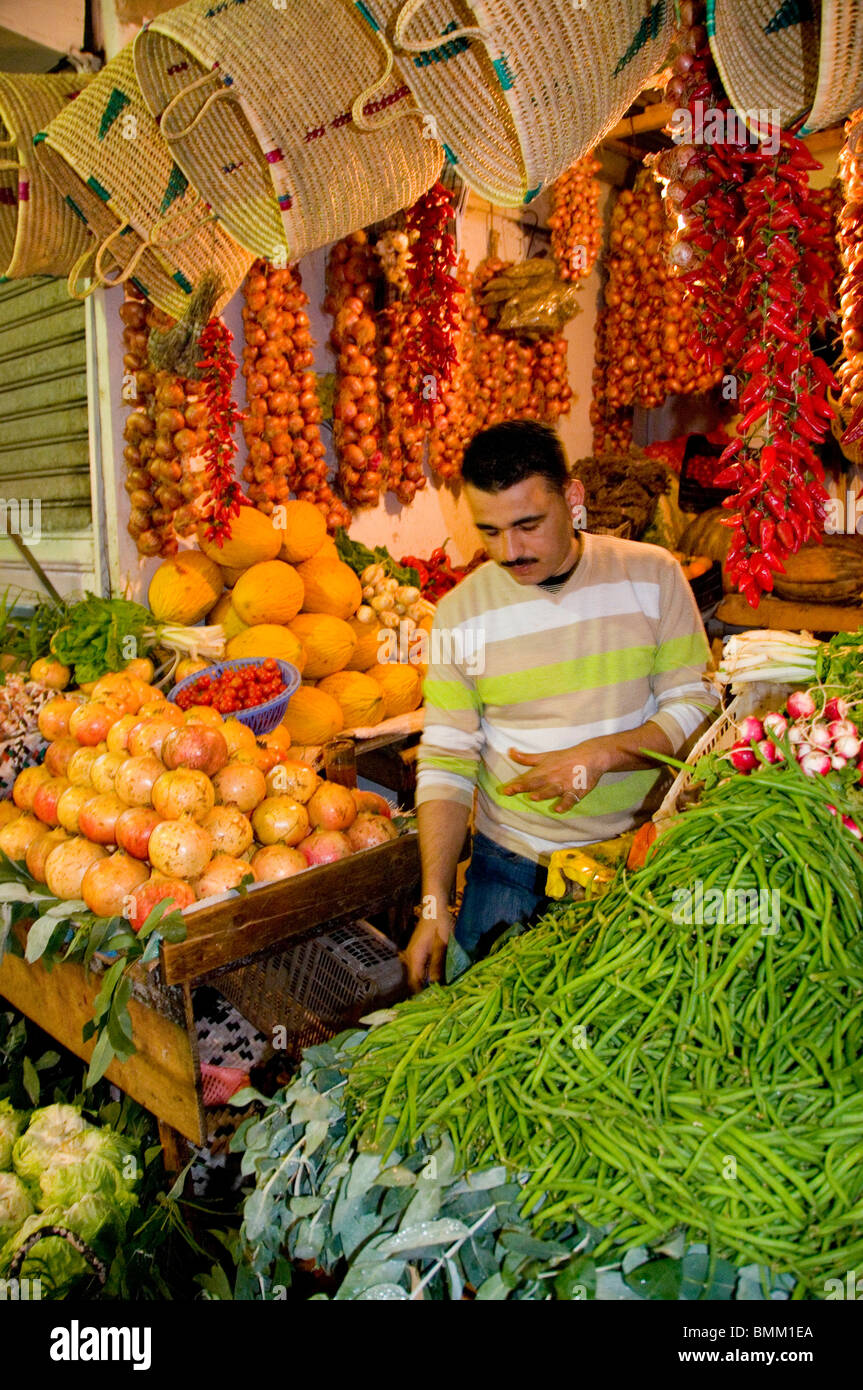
x=219 y=368
x=434 y=292
x=782 y=385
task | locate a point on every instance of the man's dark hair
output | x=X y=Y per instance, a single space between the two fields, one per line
x=506 y=454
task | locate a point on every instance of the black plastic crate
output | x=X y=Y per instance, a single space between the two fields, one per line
x=693 y=496
x=324 y=981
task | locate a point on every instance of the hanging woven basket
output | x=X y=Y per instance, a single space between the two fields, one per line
x=520 y=89
x=255 y=103
x=39 y=233
x=107 y=158
x=840 y=64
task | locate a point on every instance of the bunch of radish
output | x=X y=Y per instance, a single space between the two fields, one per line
x=353 y=272
x=823 y=741
x=164 y=435
x=283 y=421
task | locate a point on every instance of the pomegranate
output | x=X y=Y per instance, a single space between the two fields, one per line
x=183 y=789
x=39 y=849
x=373 y=803
x=136 y=778
x=241 y=785
x=325 y=846
x=296 y=780
x=81 y=766
x=70 y=804
x=368 y=831
x=55 y=714
x=67 y=864
x=148 y=735
x=277 y=861
x=180 y=848
x=141 y=668
x=278 y=738
x=116 y=688
x=26 y=784
x=332 y=807
x=8 y=811
x=118 y=734
x=239 y=737
x=160 y=708
x=105 y=769
x=230 y=829
x=45 y=799
x=18 y=835
x=142 y=900
x=264 y=758
x=134 y=828
x=195 y=746
x=223 y=873
x=280 y=818
x=90 y=723
x=48 y=671
x=108 y=883
x=97 y=818
x=202 y=714
x=59 y=754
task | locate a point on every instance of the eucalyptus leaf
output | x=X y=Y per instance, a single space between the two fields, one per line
x=103 y=1056
x=30 y=1080
x=657 y=1279
x=384 y=1293
x=412 y=1240
x=494 y=1289
x=39 y=937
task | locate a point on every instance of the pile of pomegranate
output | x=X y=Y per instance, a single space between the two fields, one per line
x=138 y=800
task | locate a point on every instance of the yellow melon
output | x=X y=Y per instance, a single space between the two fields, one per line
x=312 y=716
x=328 y=551
x=330 y=587
x=366 y=651
x=402 y=687
x=268 y=639
x=225 y=613
x=360 y=697
x=253 y=538
x=305 y=531
x=231 y=576
x=184 y=588
x=271 y=592
x=328 y=643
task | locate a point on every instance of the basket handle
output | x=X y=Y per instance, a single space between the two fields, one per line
x=100 y=1269
x=405 y=15
x=153 y=241
x=11 y=163
x=164 y=124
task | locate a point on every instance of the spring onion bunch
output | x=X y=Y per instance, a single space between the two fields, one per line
x=763 y=655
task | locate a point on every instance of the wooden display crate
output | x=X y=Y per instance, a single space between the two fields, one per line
x=164 y=1074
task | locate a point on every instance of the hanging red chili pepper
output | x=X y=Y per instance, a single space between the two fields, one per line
x=219 y=367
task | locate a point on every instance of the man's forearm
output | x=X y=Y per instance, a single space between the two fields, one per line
x=622 y=750
x=442 y=828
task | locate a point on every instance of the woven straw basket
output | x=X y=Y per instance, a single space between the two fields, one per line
x=39 y=233
x=767 y=54
x=107 y=158
x=840 y=64
x=520 y=89
x=255 y=101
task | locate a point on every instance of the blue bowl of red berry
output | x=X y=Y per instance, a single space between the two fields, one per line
x=250 y=689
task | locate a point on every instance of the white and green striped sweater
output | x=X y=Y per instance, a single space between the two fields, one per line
x=620 y=644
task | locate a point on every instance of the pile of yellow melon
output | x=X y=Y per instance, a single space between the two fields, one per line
x=284 y=593
x=138 y=800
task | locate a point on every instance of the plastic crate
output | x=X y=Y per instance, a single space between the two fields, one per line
x=261 y=719
x=323 y=982
x=707 y=587
x=757 y=699
x=692 y=496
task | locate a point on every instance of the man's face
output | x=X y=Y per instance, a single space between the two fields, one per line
x=527 y=529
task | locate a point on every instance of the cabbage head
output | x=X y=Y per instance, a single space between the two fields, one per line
x=48 y=1130
x=11 y=1124
x=55 y=1262
x=15 y=1205
x=92 y=1161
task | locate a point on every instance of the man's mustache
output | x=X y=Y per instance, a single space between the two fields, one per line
x=513 y=564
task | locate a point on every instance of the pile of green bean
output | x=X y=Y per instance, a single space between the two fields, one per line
x=647 y=1073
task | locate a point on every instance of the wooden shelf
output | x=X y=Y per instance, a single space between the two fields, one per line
x=790 y=617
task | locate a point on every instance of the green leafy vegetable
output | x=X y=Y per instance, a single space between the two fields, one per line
x=100 y=635
x=15 y=1204
x=11 y=1124
x=359 y=557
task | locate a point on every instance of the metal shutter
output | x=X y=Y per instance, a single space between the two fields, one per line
x=44 y=436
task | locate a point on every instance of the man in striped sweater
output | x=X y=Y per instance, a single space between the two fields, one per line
x=555 y=670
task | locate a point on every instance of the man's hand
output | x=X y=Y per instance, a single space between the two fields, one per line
x=426 y=950
x=568 y=774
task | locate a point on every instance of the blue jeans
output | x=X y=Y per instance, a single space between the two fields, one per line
x=501 y=887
